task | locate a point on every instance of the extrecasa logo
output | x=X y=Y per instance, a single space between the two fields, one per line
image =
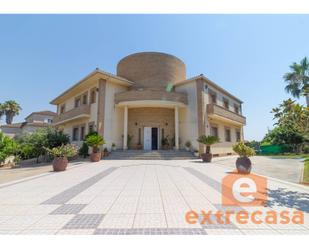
x=244 y=190
x=240 y=190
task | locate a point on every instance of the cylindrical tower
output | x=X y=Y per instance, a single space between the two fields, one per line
x=152 y=70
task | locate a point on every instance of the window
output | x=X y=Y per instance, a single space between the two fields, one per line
x=214 y=131
x=62 y=109
x=213 y=97
x=226 y=103
x=91 y=127
x=205 y=88
x=227 y=135
x=82 y=133
x=238 y=138
x=139 y=136
x=75 y=134
x=236 y=108
x=85 y=99
x=92 y=96
x=48 y=120
x=77 y=102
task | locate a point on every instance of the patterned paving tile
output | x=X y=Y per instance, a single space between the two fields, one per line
x=84 y=221
x=215 y=224
x=69 y=209
x=294 y=232
x=39 y=231
x=76 y=232
x=152 y=231
x=117 y=221
x=70 y=193
x=223 y=232
x=51 y=222
x=259 y=232
x=204 y=178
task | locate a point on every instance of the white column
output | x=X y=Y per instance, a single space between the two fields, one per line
x=176 y=128
x=125 y=128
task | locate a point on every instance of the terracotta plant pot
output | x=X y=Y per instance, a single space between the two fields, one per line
x=206 y=157
x=243 y=165
x=139 y=147
x=95 y=157
x=60 y=163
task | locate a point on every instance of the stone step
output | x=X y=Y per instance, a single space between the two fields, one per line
x=150 y=155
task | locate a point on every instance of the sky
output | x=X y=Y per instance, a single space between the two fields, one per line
x=43 y=55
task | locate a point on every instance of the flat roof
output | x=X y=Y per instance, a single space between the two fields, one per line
x=211 y=83
x=97 y=72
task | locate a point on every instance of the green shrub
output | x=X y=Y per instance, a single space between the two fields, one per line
x=243 y=150
x=67 y=150
x=306 y=149
x=188 y=144
x=129 y=140
x=84 y=150
x=94 y=141
x=8 y=147
x=32 y=145
x=165 y=141
x=208 y=141
x=56 y=138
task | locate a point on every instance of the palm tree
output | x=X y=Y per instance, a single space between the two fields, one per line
x=1 y=111
x=11 y=108
x=298 y=80
x=207 y=141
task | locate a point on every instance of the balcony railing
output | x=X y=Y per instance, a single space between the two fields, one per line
x=135 y=95
x=216 y=110
x=82 y=111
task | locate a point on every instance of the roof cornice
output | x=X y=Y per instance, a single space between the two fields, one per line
x=104 y=75
x=211 y=83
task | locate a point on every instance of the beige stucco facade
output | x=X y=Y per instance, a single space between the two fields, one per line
x=34 y=121
x=148 y=101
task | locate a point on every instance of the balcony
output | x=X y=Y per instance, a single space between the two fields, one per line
x=220 y=112
x=151 y=95
x=80 y=112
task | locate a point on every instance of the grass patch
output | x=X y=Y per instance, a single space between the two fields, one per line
x=306 y=170
x=286 y=155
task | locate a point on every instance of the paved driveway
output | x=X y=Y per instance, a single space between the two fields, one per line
x=136 y=197
x=285 y=169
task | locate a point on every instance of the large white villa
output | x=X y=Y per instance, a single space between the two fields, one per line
x=150 y=104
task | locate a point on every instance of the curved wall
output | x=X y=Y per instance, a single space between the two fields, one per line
x=152 y=69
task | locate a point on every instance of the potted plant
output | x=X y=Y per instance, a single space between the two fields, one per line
x=208 y=141
x=95 y=141
x=105 y=152
x=61 y=155
x=243 y=163
x=165 y=143
x=196 y=153
x=84 y=150
x=139 y=146
x=113 y=147
x=188 y=146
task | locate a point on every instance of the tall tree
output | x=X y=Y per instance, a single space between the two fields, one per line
x=11 y=109
x=1 y=111
x=298 y=80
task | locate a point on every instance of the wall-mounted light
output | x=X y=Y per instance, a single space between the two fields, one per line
x=166 y=124
x=135 y=123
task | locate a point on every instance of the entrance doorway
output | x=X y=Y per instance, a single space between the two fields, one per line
x=151 y=138
x=154 y=138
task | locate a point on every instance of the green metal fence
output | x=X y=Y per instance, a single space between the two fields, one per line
x=272 y=149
